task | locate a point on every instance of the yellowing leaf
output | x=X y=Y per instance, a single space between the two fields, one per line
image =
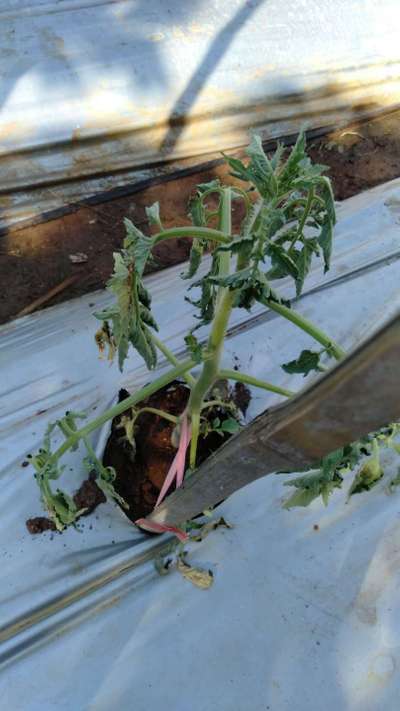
x=202 y=579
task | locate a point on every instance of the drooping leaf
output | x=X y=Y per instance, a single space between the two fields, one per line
x=206 y=302
x=369 y=474
x=303 y=263
x=137 y=245
x=325 y=239
x=281 y=261
x=196 y=253
x=241 y=246
x=130 y=317
x=326 y=192
x=305 y=363
x=250 y=284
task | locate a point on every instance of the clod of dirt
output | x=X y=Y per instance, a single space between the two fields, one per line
x=89 y=495
x=241 y=397
x=40 y=524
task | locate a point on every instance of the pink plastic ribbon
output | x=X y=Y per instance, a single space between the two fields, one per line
x=177 y=468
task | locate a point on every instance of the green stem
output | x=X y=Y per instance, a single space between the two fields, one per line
x=305 y=325
x=191 y=231
x=249 y=380
x=218 y=403
x=213 y=351
x=155 y=411
x=121 y=407
x=172 y=359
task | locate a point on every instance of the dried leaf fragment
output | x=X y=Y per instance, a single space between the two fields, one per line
x=197 y=576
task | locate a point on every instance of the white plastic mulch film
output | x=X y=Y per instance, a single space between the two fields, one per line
x=97 y=94
x=303 y=612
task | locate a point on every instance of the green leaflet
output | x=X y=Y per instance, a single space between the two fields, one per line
x=261 y=168
x=317 y=483
x=130 y=317
x=194 y=347
x=305 y=363
x=208 y=187
x=329 y=476
x=230 y=425
x=153 y=215
x=259 y=171
x=310 y=486
x=291 y=168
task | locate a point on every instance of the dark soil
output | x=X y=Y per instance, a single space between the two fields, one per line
x=89 y=495
x=141 y=474
x=36 y=259
x=40 y=524
x=242 y=397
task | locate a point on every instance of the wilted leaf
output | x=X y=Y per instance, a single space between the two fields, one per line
x=202 y=579
x=207 y=528
x=196 y=253
x=368 y=476
x=303 y=264
x=130 y=316
x=325 y=241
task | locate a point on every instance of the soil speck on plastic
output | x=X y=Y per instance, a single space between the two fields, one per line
x=40 y=524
